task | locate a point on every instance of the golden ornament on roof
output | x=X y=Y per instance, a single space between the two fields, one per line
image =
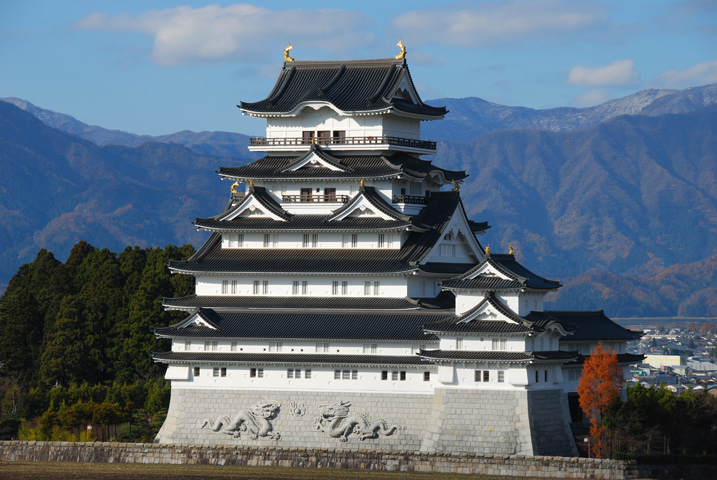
x=362 y=182
x=251 y=183
x=401 y=55
x=234 y=187
x=287 y=57
x=487 y=249
x=510 y=250
x=456 y=187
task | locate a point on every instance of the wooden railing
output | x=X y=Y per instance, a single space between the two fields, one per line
x=315 y=198
x=414 y=199
x=377 y=140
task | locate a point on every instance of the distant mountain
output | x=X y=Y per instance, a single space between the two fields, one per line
x=472 y=117
x=621 y=211
x=218 y=144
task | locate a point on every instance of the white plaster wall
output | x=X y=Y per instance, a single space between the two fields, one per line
x=555 y=376
x=514 y=377
x=322 y=379
x=466 y=300
x=394 y=287
x=401 y=127
x=327 y=347
x=325 y=240
x=324 y=118
x=420 y=286
x=483 y=343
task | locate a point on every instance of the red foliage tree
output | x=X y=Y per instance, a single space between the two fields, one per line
x=599 y=387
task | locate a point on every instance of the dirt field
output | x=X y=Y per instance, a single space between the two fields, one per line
x=106 y=471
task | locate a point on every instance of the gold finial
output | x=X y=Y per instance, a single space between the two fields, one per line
x=456 y=187
x=251 y=183
x=401 y=55
x=362 y=182
x=510 y=250
x=287 y=57
x=234 y=187
x=487 y=249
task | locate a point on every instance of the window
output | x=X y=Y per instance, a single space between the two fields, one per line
x=381 y=240
x=546 y=375
x=295 y=285
x=536 y=376
x=257 y=287
x=486 y=375
x=322 y=348
x=344 y=287
x=310 y=240
x=290 y=373
x=224 y=372
x=482 y=375
x=265 y=287
x=459 y=344
x=339 y=136
x=329 y=194
x=394 y=376
x=196 y=371
x=499 y=344
x=426 y=376
x=307 y=137
x=267 y=240
x=350 y=240
x=384 y=375
x=225 y=287
x=187 y=346
x=297 y=373
x=501 y=376
x=389 y=240
x=345 y=375
x=304 y=287
x=370 y=348
x=306 y=195
x=376 y=288
x=275 y=346
x=337 y=374
x=299 y=287
x=403 y=376
x=323 y=137
x=335 y=287
x=215 y=372
x=354 y=374
x=234 y=287
x=307 y=373
x=240 y=240
x=367 y=288
x=210 y=346
x=256 y=372
x=477 y=375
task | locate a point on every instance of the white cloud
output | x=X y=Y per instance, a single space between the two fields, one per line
x=700 y=74
x=498 y=22
x=591 y=98
x=621 y=72
x=188 y=35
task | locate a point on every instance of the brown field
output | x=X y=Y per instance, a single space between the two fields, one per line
x=115 y=471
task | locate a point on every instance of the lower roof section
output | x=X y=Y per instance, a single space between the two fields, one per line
x=494 y=356
x=622 y=358
x=226 y=302
x=314 y=326
x=263 y=359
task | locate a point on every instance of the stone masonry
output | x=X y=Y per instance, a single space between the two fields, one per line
x=452 y=420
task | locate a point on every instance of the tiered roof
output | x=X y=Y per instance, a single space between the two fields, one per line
x=352 y=87
x=519 y=277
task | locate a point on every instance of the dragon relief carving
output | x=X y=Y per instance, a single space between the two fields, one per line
x=255 y=421
x=334 y=420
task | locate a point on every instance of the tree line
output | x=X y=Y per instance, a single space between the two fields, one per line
x=76 y=339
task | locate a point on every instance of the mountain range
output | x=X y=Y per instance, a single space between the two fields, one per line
x=618 y=201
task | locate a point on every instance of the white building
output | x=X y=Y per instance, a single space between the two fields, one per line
x=345 y=300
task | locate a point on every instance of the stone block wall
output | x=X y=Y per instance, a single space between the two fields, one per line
x=451 y=420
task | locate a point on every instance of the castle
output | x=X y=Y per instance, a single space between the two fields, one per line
x=343 y=299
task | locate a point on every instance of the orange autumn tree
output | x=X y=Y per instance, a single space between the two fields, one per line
x=599 y=387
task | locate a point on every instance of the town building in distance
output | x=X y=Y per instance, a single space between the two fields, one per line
x=344 y=300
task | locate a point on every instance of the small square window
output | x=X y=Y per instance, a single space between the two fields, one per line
x=215 y=372
x=501 y=376
x=486 y=375
x=477 y=375
x=297 y=373
x=260 y=372
x=290 y=373
x=384 y=375
x=307 y=373
x=337 y=374
x=252 y=372
x=403 y=376
x=394 y=376
x=224 y=372
x=196 y=371
x=426 y=376
x=354 y=374
x=346 y=375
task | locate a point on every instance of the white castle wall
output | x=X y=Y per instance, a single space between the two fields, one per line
x=282 y=285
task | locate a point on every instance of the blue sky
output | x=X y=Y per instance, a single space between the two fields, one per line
x=157 y=67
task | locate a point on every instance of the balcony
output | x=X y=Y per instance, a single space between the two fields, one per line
x=257 y=143
x=315 y=198
x=412 y=199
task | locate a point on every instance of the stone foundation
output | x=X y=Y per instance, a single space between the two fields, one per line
x=451 y=420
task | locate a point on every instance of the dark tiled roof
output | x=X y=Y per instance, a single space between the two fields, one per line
x=460 y=323
x=622 y=358
x=354 y=167
x=483 y=283
x=303 y=223
x=265 y=200
x=355 y=86
x=587 y=326
x=507 y=265
x=315 y=150
x=370 y=194
x=348 y=325
x=461 y=355
x=290 y=303
x=260 y=359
